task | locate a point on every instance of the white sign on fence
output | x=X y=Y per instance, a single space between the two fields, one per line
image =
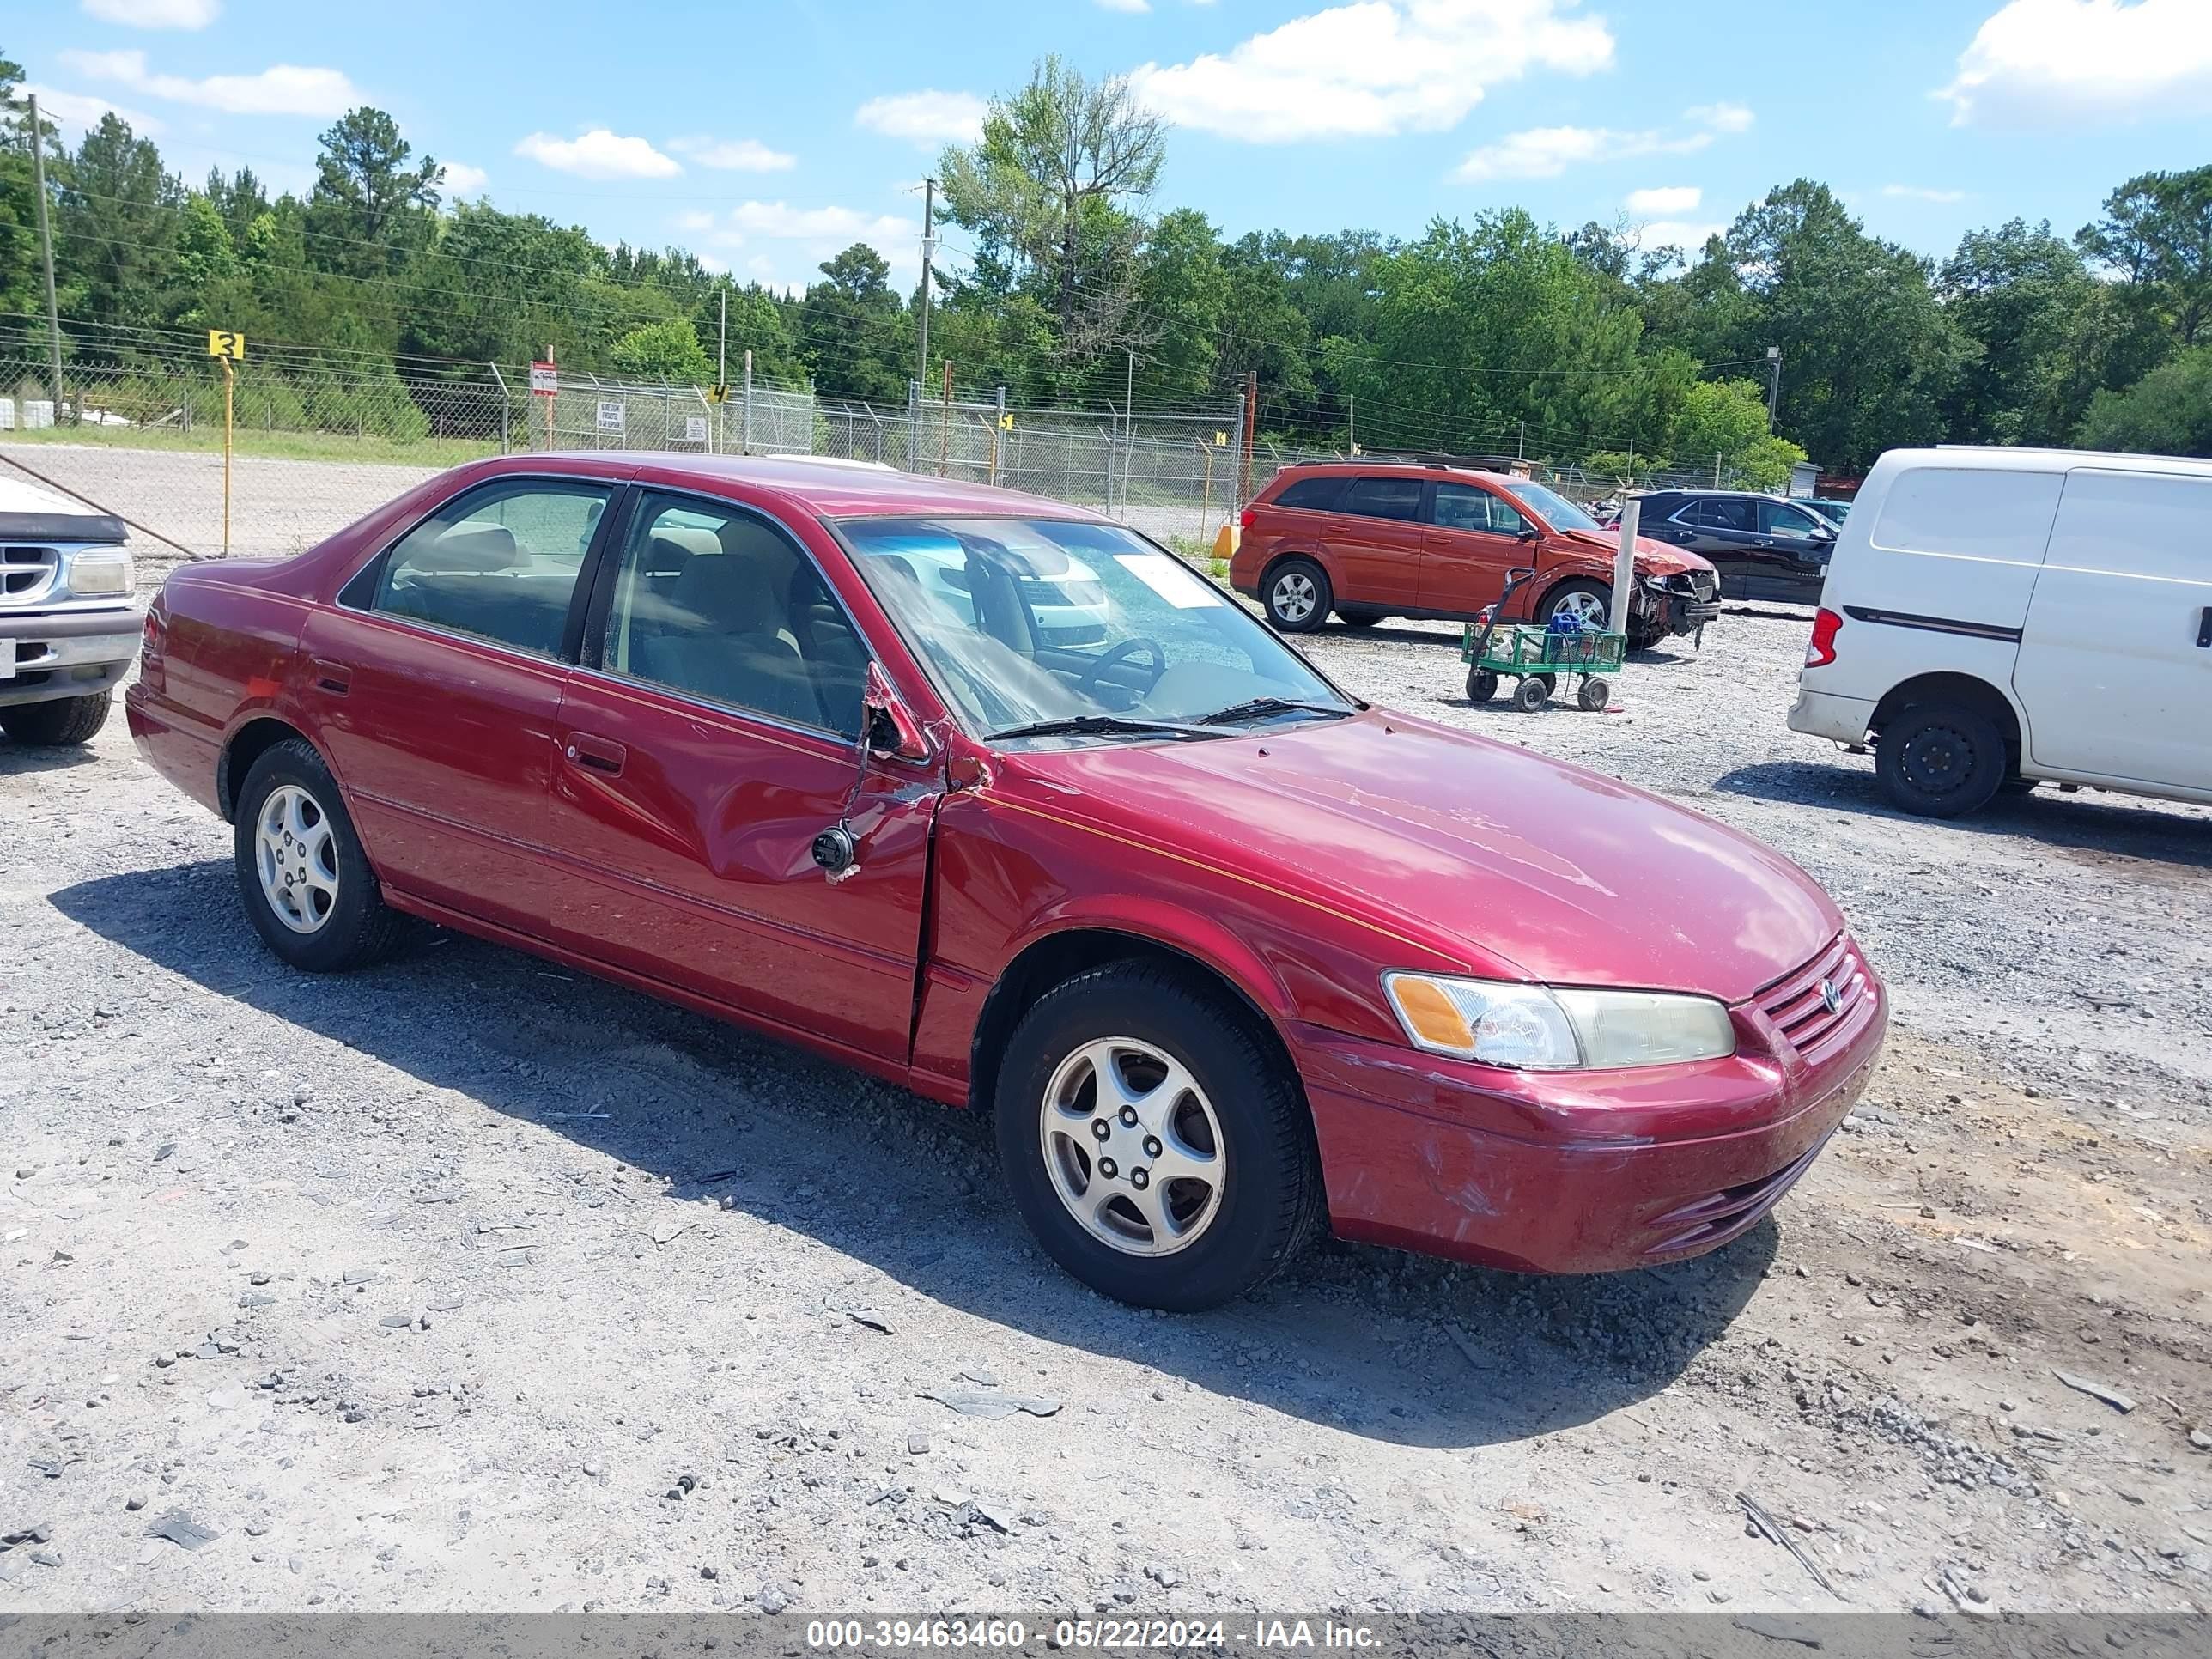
x=544 y=379
x=611 y=414
x=694 y=428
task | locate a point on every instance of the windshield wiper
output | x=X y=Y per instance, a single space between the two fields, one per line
x=1259 y=707
x=1090 y=725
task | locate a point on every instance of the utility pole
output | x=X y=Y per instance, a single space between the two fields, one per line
x=47 y=252
x=1521 y=444
x=721 y=370
x=1773 y=385
x=1128 y=425
x=928 y=252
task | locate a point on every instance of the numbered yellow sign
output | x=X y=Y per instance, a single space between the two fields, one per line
x=223 y=342
x=1005 y=423
x=1221 y=440
x=718 y=394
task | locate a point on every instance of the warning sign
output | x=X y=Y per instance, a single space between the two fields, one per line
x=611 y=414
x=544 y=379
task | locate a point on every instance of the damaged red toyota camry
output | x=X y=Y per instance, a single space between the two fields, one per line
x=999 y=800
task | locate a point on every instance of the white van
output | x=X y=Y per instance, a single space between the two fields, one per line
x=2005 y=615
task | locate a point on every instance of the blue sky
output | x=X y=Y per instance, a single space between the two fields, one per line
x=767 y=135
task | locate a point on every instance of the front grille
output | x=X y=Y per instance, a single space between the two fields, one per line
x=1718 y=1217
x=25 y=570
x=1800 y=1009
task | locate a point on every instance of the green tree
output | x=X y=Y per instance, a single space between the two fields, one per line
x=2157 y=233
x=852 y=328
x=1183 y=292
x=115 y=234
x=22 y=282
x=371 y=204
x=2168 y=412
x=506 y=287
x=2026 y=299
x=667 y=350
x=1719 y=420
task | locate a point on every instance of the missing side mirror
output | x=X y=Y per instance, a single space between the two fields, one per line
x=892 y=731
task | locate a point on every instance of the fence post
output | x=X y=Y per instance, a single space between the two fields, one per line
x=1244 y=455
x=912 y=421
x=998 y=426
x=500 y=381
x=748 y=446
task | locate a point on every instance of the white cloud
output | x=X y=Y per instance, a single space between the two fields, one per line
x=1665 y=198
x=1374 y=67
x=280 y=89
x=155 y=14
x=2034 y=60
x=1547 y=152
x=693 y=219
x=598 y=153
x=79 y=110
x=462 y=179
x=926 y=118
x=734 y=155
x=844 y=226
x=1126 y=5
x=778 y=240
x=1922 y=193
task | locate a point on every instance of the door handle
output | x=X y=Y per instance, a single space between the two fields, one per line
x=600 y=754
x=2204 y=628
x=335 y=678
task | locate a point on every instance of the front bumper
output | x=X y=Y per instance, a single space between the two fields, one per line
x=1824 y=715
x=1568 y=1172
x=48 y=655
x=1670 y=611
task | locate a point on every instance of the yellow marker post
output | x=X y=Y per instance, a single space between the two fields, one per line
x=227 y=348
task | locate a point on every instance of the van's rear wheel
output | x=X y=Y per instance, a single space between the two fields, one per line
x=1940 y=761
x=1157 y=1149
x=1297 y=596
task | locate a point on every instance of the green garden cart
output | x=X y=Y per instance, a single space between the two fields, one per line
x=1536 y=658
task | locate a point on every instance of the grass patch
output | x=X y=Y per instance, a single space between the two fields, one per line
x=277 y=446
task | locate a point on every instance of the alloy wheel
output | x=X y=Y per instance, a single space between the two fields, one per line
x=1295 y=597
x=296 y=855
x=1133 y=1146
x=1585 y=607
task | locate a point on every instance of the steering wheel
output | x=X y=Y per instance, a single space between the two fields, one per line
x=1126 y=649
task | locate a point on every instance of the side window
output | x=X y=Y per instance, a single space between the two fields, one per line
x=1466 y=506
x=1315 y=494
x=500 y=563
x=1384 y=498
x=1697 y=515
x=1730 y=513
x=1782 y=520
x=715 y=602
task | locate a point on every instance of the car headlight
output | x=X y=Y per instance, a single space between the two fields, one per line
x=1536 y=1028
x=100 y=575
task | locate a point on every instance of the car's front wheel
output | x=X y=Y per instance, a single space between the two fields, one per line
x=302 y=877
x=56 y=724
x=1297 y=596
x=1588 y=603
x=1156 y=1148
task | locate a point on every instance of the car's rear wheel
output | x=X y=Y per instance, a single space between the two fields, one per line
x=302 y=877
x=54 y=725
x=1358 y=618
x=1297 y=596
x=1940 y=761
x=1157 y=1147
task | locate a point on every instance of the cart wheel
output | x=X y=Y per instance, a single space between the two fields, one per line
x=1533 y=693
x=1481 y=685
x=1595 y=693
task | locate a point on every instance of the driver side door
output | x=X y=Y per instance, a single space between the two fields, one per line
x=1475 y=539
x=710 y=732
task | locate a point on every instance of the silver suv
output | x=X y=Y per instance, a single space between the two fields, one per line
x=69 y=630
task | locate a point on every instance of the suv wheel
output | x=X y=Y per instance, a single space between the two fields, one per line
x=53 y=725
x=1357 y=618
x=1589 y=603
x=302 y=877
x=1156 y=1148
x=1940 y=761
x=1297 y=596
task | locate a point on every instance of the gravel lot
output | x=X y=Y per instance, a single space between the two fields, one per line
x=468 y=1284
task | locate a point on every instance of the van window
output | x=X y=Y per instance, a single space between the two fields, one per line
x=2135 y=524
x=1319 y=495
x=1384 y=498
x=1965 y=512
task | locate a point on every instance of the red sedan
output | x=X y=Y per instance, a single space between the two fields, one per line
x=1229 y=955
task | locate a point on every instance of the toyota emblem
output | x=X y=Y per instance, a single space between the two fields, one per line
x=1830 y=998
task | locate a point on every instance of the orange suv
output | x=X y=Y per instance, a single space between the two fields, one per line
x=1370 y=539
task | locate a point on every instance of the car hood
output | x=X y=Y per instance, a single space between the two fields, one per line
x=1509 y=861
x=1653 y=558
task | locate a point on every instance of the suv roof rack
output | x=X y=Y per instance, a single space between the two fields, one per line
x=1408 y=458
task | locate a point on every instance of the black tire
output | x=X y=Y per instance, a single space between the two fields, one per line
x=1940 y=761
x=1283 y=594
x=1533 y=692
x=1358 y=618
x=1594 y=693
x=1271 y=1197
x=358 y=928
x=55 y=725
x=1481 y=685
x=1566 y=596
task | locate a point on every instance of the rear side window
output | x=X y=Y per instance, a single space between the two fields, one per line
x=500 y=563
x=1962 y=512
x=1317 y=494
x=1384 y=498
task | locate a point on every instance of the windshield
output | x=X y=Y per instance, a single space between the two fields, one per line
x=1552 y=507
x=1024 y=621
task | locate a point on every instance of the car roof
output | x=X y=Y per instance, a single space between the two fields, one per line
x=2021 y=459
x=1384 y=469
x=823 y=485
